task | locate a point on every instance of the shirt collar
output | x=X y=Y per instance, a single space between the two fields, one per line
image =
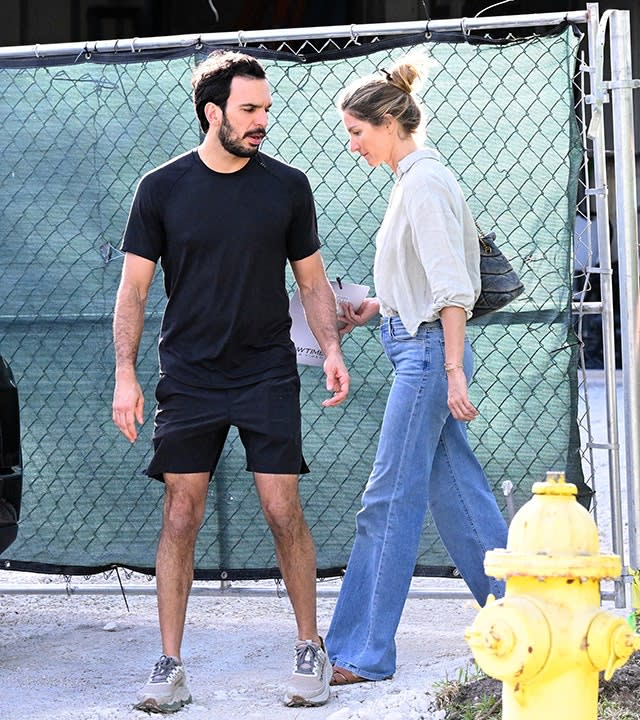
x=412 y=158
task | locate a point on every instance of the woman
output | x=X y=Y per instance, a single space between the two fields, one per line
x=427 y=278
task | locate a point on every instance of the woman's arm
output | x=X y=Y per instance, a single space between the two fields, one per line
x=369 y=308
x=454 y=321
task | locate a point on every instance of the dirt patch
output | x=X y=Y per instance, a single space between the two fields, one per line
x=624 y=686
x=623 y=689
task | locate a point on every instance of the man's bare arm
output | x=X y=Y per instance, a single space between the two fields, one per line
x=128 y=323
x=319 y=302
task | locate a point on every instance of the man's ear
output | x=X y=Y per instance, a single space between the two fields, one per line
x=213 y=113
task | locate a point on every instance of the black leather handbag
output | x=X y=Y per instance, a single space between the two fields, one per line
x=499 y=282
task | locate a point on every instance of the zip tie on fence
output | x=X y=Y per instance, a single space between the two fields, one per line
x=198 y=45
x=109 y=253
x=354 y=36
x=241 y=41
x=507 y=491
x=464 y=27
x=35 y=50
x=133 y=44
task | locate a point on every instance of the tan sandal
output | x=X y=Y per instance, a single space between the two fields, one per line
x=342 y=676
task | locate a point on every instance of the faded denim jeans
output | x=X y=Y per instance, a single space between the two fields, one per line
x=423 y=461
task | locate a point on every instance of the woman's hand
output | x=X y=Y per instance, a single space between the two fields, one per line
x=458 y=397
x=350 y=318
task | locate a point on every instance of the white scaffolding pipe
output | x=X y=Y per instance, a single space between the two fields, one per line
x=622 y=86
x=465 y=25
x=597 y=99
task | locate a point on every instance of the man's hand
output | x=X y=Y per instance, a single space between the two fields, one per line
x=337 y=379
x=128 y=406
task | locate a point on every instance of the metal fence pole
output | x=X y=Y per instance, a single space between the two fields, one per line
x=596 y=37
x=622 y=86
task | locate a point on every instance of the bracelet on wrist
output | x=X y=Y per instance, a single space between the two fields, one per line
x=449 y=367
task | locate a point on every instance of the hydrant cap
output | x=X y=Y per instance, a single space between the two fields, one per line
x=554 y=484
x=553 y=523
x=552 y=535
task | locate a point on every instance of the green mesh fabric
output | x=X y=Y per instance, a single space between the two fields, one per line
x=75 y=136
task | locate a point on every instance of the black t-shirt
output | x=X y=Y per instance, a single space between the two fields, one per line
x=223 y=240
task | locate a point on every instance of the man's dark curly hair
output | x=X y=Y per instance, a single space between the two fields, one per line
x=211 y=79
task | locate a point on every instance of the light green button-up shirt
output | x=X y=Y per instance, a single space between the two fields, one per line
x=427 y=250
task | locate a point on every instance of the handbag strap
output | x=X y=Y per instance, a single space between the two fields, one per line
x=481 y=238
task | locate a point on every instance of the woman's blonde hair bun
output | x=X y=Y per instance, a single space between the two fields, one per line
x=390 y=93
x=409 y=72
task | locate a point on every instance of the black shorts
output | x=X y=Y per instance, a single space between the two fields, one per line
x=191 y=426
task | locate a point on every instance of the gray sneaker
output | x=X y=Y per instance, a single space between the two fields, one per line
x=309 y=684
x=166 y=690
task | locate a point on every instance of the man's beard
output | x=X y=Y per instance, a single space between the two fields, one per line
x=231 y=143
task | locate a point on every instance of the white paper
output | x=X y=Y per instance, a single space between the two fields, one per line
x=307 y=348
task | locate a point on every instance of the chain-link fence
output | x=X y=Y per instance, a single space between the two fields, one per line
x=78 y=132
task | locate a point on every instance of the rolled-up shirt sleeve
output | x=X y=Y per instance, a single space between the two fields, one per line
x=437 y=234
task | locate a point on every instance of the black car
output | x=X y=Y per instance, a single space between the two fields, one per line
x=10 y=457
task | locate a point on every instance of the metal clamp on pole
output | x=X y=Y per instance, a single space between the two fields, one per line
x=622 y=84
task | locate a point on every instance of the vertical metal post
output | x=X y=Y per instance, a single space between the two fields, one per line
x=629 y=267
x=596 y=37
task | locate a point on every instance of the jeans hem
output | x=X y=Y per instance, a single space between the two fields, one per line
x=373 y=677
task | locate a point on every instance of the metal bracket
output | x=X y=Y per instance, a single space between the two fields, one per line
x=622 y=84
x=597 y=98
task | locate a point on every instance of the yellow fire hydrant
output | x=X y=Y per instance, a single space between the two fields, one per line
x=548 y=638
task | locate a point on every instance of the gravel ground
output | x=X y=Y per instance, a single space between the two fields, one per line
x=82 y=656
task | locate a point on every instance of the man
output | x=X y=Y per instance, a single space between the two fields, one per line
x=224 y=219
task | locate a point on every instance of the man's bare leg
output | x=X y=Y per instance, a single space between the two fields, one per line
x=294 y=545
x=184 y=506
x=166 y=690
x=310 y=680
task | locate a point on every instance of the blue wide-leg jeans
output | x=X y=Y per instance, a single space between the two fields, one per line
x=423 y=461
